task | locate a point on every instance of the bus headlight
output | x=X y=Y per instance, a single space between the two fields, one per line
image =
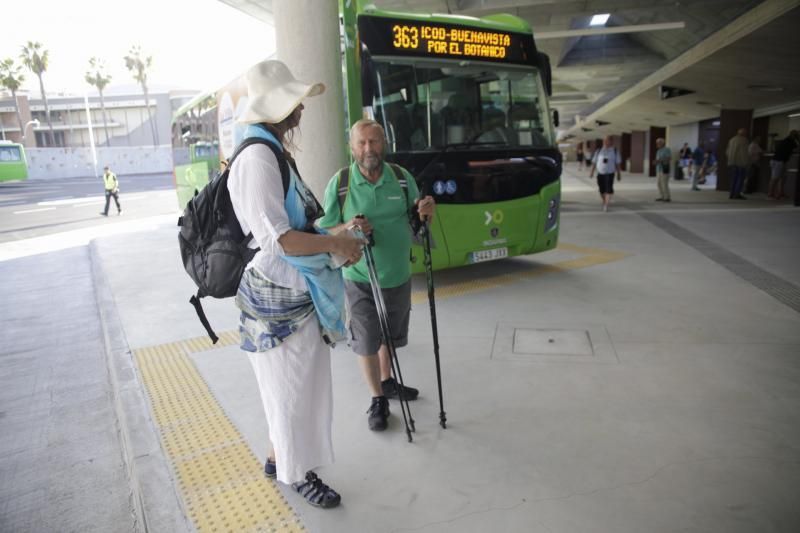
x=552 y=212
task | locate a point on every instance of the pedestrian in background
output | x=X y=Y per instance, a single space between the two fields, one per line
x=662 y=162
x=111 y=185
x=738 y=161
x=754 y=152
x=783 y=151
x=607 y=163
x=685 y=156
x=698 y=155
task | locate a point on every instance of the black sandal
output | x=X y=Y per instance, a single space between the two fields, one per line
x=316 y=492
x=270 y=469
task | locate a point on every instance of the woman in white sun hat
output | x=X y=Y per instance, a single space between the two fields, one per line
x=291 y=296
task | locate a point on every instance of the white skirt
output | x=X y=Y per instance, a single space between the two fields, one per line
x=294 y=380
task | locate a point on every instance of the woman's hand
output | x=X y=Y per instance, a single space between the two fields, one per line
x=348 y=246
x=362 y=223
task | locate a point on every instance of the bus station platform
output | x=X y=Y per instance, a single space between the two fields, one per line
x=642 y=377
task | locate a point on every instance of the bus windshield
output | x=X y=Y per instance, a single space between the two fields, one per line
x=430 y=106
x=10 y=154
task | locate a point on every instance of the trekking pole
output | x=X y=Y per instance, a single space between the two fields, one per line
x=426 y=241
x=383 y=320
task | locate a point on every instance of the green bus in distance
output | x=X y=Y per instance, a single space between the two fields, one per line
x=195 y=147
x=13 y=165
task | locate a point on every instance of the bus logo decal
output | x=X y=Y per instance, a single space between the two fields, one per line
x=496 y=217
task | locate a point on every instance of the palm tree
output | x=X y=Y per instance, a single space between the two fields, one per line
x=97 y=77
x=139 y=66
x=11 y=77
x=36 y=59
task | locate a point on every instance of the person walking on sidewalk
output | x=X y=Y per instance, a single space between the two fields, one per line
x=607 y=163
x=738 y=161
x=663 y=159
x=379 y=199
x=290 y=297
x=111 y=185
x=754 y=152
x=698 y=156
x=783 y=151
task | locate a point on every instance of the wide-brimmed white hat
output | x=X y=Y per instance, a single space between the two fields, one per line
x=273 y=93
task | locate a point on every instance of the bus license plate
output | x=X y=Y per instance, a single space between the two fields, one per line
x=488 y=255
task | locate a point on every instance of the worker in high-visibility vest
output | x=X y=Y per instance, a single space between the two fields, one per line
x=112 y=189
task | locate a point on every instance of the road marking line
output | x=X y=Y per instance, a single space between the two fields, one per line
x=34 y=210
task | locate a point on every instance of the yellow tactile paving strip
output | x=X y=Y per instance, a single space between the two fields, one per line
x=221 y=481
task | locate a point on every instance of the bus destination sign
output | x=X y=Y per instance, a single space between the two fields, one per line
x=388 y=36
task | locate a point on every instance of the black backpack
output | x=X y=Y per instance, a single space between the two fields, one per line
x=213 y=247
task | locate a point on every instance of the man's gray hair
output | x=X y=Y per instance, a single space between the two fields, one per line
x=366 y=123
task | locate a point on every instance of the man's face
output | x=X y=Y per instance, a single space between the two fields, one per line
x=367 y=147
x=659 y=143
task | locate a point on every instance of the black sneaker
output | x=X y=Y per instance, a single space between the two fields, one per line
x=316 y=492
x=392 y=389
x=378 y=413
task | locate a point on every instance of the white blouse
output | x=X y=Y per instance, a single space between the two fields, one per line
x=256 y=190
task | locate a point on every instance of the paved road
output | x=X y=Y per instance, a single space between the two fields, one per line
x=37 y=208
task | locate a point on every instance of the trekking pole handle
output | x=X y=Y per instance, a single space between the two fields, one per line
x=370 y=238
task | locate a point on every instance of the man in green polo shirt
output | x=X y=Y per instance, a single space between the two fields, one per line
x=374 y=191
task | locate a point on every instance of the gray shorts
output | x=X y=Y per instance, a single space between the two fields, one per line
x=365 y=330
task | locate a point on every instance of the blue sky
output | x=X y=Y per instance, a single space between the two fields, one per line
x=195 y=44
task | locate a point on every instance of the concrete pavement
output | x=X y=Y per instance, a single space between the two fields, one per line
x=642 y=377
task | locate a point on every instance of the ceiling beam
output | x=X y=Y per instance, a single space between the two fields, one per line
x=754 y=19
x=636 y=28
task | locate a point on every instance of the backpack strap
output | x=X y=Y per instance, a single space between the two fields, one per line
x=401 y=178
x=283 y=164
x=198 y=307
x=343 y=187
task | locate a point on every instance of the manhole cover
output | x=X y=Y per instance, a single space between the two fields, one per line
x=552 y=342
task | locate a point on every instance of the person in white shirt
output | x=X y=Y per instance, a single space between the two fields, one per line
x=607 y=162
x=280 y=325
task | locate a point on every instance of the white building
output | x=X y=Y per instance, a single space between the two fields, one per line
x=126 y=118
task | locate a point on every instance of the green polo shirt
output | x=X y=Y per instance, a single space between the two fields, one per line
x=384 y=204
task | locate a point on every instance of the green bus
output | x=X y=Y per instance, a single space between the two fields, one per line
x=464 y=102
x=13 y=165
x=195 y=146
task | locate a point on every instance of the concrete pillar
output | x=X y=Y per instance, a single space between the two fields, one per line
x=638 y=153
x=625 y=150
x=307 y=39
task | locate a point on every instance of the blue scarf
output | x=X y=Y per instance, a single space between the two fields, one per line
x=324 y=283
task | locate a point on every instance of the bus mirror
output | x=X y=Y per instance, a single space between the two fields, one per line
x=546 y=72
x=555 y=117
